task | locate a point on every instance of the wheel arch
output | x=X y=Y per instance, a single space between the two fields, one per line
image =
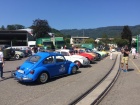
x=71 y=67
x=41 y=70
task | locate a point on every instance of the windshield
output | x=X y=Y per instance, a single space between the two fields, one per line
x=63 y=53
x=33 y=59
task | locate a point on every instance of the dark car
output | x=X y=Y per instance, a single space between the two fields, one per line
x=8 y=53
x=27 y=52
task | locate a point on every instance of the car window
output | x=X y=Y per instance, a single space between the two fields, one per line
x=57 y=52
x=60 y=59
x=65 y=53
x=34 y=58
x=49 y=60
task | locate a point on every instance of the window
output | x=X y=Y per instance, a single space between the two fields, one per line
x=33 y=59
x=65 y=53
x=49 y=60
x=60 y=59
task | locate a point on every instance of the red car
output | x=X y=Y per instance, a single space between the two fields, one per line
x=88 y=56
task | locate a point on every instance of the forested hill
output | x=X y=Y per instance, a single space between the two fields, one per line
x=111 y=31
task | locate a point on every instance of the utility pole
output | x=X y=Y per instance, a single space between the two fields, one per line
x=138 y=43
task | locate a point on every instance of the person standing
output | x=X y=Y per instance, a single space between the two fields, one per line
x=1 y=63
x=125 y=58
x=65 y=47
x=133 y=49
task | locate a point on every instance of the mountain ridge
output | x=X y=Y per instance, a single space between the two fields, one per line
x=110 y=31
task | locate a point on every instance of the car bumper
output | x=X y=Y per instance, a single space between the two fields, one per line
x=85 y=63
x=22 y=78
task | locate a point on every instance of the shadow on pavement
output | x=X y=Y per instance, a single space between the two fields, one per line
x=130 y=70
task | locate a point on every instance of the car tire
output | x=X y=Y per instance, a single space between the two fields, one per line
x=17 y=56
x=74 y=70
x=78 y=63
x=43 y=78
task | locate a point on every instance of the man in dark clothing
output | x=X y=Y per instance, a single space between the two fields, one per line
x=35 y=49
x=125 y=51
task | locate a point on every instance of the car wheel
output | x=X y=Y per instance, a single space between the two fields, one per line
x=17 y=56
x=43 y=78
x=78 y=63
x=74 y=70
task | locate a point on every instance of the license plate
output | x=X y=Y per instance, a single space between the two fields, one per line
x=21 y=71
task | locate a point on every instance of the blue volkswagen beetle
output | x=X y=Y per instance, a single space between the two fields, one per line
x=43 y=66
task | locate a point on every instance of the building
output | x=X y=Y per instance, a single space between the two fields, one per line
x=16 y=37
x=78 y=40
x=58 y=42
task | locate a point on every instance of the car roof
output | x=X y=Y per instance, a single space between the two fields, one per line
x=45 y=54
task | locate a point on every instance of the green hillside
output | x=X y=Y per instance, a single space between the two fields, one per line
x=111 y=31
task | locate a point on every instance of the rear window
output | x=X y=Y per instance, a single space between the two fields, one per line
x=33 y=59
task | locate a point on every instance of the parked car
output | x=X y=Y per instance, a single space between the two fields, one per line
x=86 y=55
x=27 y=53
x=19 y=54
x=9 y=54
x=99 y=57
x=81 y=50
x=43 y=66
x=79 y=60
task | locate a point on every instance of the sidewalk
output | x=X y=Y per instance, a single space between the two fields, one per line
x=126 y=90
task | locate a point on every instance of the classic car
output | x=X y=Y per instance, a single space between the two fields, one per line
x=43 y=66
x=27 y=53
x=88 y=56
x=81 y=50
x=18 y=54
x=99 y=56
x=79 y=60
x=9 y=54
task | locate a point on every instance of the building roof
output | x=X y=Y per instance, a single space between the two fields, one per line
x=14 y=34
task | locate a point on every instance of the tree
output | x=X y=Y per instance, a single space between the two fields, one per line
x=57 y=33
x=15 y=27
x=120 y=42
x=40 y=28
x=105 y=39
x=18 y=26
x=90 y=40
x=127 y=34
x=2 y=27
x=11 y=27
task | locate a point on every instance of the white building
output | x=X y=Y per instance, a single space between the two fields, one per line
x=77 y=40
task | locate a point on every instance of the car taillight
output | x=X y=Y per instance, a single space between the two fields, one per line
x=32 y=72
x=18 y=68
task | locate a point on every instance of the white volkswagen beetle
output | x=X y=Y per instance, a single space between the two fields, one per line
x=78 y=59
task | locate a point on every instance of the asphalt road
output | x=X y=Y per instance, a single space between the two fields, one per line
x=58 y=91
x=126 y=90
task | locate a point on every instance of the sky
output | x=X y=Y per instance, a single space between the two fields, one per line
x=71 y=14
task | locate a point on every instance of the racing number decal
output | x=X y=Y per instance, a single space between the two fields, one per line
x=62 y=68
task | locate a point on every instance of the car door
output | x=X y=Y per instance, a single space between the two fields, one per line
x=50 y=65
x=61 y=65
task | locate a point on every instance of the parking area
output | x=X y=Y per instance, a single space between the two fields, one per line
x=14 y=92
